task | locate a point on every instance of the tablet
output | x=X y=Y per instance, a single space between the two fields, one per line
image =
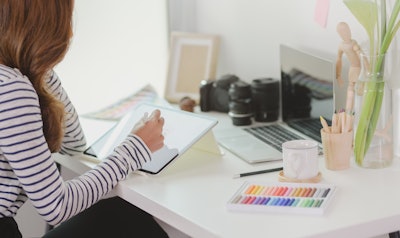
x=181 y=130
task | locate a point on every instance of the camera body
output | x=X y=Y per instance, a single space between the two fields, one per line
x=214 y=94
x=241 y=100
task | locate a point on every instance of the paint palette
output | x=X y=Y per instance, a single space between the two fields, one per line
x=304 y=198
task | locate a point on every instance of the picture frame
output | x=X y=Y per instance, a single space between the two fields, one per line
x=193 y=58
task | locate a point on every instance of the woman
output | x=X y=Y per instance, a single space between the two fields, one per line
x=37 y=119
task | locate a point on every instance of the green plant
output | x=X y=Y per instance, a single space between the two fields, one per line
x=381 y=28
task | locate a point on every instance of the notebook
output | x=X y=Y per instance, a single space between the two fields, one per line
x=181 y=131
x=306 y=93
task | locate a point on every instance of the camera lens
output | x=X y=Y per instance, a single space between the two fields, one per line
x=240 y=103
x=265 y=99
x=240 y=112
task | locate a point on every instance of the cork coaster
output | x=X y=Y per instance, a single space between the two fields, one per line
x=315 y=179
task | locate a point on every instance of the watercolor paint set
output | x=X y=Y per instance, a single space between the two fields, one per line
x=302 y=198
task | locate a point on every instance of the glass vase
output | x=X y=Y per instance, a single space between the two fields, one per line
x=373 y=137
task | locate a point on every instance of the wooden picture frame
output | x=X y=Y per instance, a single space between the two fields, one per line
x=193 y=58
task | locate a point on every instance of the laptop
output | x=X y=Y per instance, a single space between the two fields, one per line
x=306 y=93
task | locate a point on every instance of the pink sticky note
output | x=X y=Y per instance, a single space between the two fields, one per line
x=321 y=12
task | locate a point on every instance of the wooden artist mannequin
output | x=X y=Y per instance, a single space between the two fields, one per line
x=352 y=50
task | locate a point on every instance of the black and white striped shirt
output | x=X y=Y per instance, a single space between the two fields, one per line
x=27 y=169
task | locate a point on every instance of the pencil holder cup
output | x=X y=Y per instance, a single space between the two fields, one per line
x=337 y=148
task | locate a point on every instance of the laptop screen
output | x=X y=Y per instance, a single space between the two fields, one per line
x=307 y=83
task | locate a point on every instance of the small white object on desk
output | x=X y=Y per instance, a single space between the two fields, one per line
x=300 y=159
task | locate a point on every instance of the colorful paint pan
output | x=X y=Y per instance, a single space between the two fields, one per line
x=305 y=198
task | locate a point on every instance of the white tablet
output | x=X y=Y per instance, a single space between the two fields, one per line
x=181 y=130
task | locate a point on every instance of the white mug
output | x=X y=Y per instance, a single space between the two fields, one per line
x=300 y=159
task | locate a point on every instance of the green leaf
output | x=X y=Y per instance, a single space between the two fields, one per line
x=366 y=12
x=392 y=28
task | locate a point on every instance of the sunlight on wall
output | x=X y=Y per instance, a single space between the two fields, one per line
x=118 y=47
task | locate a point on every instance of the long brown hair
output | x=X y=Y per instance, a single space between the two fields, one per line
x=34 y=37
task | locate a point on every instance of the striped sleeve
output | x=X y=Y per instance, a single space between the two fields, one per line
x=74 y=139
x=24 y=147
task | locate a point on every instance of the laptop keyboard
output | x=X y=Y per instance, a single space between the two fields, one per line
x=310 y=127
x=273 y=135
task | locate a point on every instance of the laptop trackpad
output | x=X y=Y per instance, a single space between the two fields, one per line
x=250 y=149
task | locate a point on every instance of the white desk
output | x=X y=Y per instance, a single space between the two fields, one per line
x=192 y=193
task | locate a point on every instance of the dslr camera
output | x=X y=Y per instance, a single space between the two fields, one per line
x=214 y=94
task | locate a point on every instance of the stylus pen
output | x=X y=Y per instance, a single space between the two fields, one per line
x=257 y=172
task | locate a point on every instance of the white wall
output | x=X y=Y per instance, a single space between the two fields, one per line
x=117 y=48
x=251 y=31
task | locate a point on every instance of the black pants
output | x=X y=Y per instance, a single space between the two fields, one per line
x=112 y=217
x=9 y=228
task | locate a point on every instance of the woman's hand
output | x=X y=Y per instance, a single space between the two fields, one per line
x=149 y=129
